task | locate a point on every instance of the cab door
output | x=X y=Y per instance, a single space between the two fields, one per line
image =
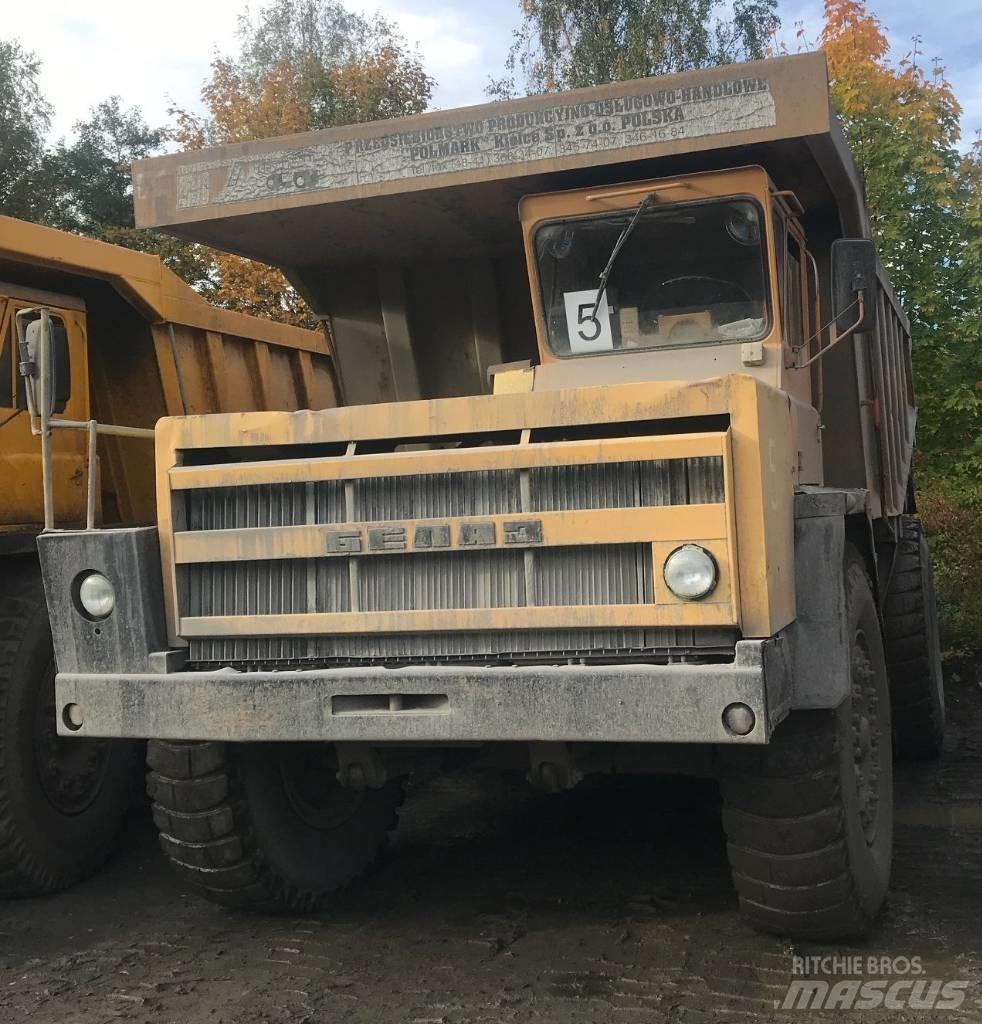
x=21 y=494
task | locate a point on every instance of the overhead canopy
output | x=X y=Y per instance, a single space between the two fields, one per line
x=447 y=183
x=405 y=235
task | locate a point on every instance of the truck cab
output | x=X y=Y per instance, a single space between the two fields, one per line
x=695 y=273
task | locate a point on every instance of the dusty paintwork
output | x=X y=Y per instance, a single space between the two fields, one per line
x=759 y=553
x=698 y=110
x=519 y=133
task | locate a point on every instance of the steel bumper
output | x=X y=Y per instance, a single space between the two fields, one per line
x=596 y=703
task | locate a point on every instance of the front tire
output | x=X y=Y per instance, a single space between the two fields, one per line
x=809 y=817
x=265 y=826
x=62 y=799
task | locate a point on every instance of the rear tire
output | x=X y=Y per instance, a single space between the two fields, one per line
x=913 y=650
x=62 y=799
x=809 y=817
x=265 y=826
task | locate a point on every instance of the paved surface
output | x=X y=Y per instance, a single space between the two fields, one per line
x=499 y=904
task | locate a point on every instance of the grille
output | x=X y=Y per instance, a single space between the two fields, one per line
x=482 y=579
x=657 y=645
x=659 y=482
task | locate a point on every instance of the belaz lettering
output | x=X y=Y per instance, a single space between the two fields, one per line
x=355 y=540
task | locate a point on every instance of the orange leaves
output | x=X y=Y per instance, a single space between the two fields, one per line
x=303 y=65
x=863 y=76
x=379 y=84
x=243 y=109
x=255 y=288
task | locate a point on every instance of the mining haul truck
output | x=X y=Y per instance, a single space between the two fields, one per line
x=621 y=484
x=129 y=343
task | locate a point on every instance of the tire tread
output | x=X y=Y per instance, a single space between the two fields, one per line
x=207 y=834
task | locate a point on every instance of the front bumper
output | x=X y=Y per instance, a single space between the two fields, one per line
x=681 y=703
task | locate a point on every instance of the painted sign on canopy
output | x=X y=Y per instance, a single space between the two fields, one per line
x=525 y=132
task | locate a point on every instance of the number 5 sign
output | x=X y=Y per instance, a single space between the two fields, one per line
x=588 y=332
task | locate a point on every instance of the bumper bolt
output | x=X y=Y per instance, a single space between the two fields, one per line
x=739 y=719
x=72 y=717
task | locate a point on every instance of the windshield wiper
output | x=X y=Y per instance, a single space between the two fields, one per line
x=618 y=245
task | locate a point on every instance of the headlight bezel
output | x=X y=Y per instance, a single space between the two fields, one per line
x=699 y=594
x=86 y=603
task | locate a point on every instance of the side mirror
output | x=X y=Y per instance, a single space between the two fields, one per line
x=59 y=370
x=854 y=264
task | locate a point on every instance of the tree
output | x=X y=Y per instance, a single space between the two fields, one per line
x=902 y=124
x=25 y=117
x=92 y=173
x=566 y=44
x=302 y=65
x=89 y=187
x=901 y=119
x=305 y=65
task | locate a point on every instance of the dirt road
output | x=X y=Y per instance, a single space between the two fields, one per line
x=500 y=904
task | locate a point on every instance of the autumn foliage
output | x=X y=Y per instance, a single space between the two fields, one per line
x=924 y=194
x=303 y=65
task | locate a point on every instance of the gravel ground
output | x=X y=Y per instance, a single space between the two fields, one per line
x=497 y=904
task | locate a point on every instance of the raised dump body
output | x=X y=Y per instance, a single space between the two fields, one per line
x=134 y=344
x=621 y=482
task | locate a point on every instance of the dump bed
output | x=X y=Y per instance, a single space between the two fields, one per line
x=151 y=347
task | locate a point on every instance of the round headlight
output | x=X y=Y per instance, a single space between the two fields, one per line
x=96 y=596
x=691 y=572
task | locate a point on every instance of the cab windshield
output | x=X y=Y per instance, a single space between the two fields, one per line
x=687 y=274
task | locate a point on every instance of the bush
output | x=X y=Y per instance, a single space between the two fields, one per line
x=952 y=517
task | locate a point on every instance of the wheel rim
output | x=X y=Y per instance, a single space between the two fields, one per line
x=309 y=775
x=866 y=733
x=70 y=770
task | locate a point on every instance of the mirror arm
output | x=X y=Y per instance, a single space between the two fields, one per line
x=861 y=299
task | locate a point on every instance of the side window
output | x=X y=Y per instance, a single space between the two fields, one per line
x=793 y=304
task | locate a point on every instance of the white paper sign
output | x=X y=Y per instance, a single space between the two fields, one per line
x=587 y=332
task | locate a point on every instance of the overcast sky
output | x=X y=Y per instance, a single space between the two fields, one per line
x=152 y=53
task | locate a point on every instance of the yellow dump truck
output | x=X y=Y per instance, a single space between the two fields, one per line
x=622 y=484
x=130 y=343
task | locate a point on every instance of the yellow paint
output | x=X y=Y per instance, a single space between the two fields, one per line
x=613 y=616
x=570 y=453
x=674 y=523
x=750 y=182
x=155 y=290
x=512 y=382
x=751 y=536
